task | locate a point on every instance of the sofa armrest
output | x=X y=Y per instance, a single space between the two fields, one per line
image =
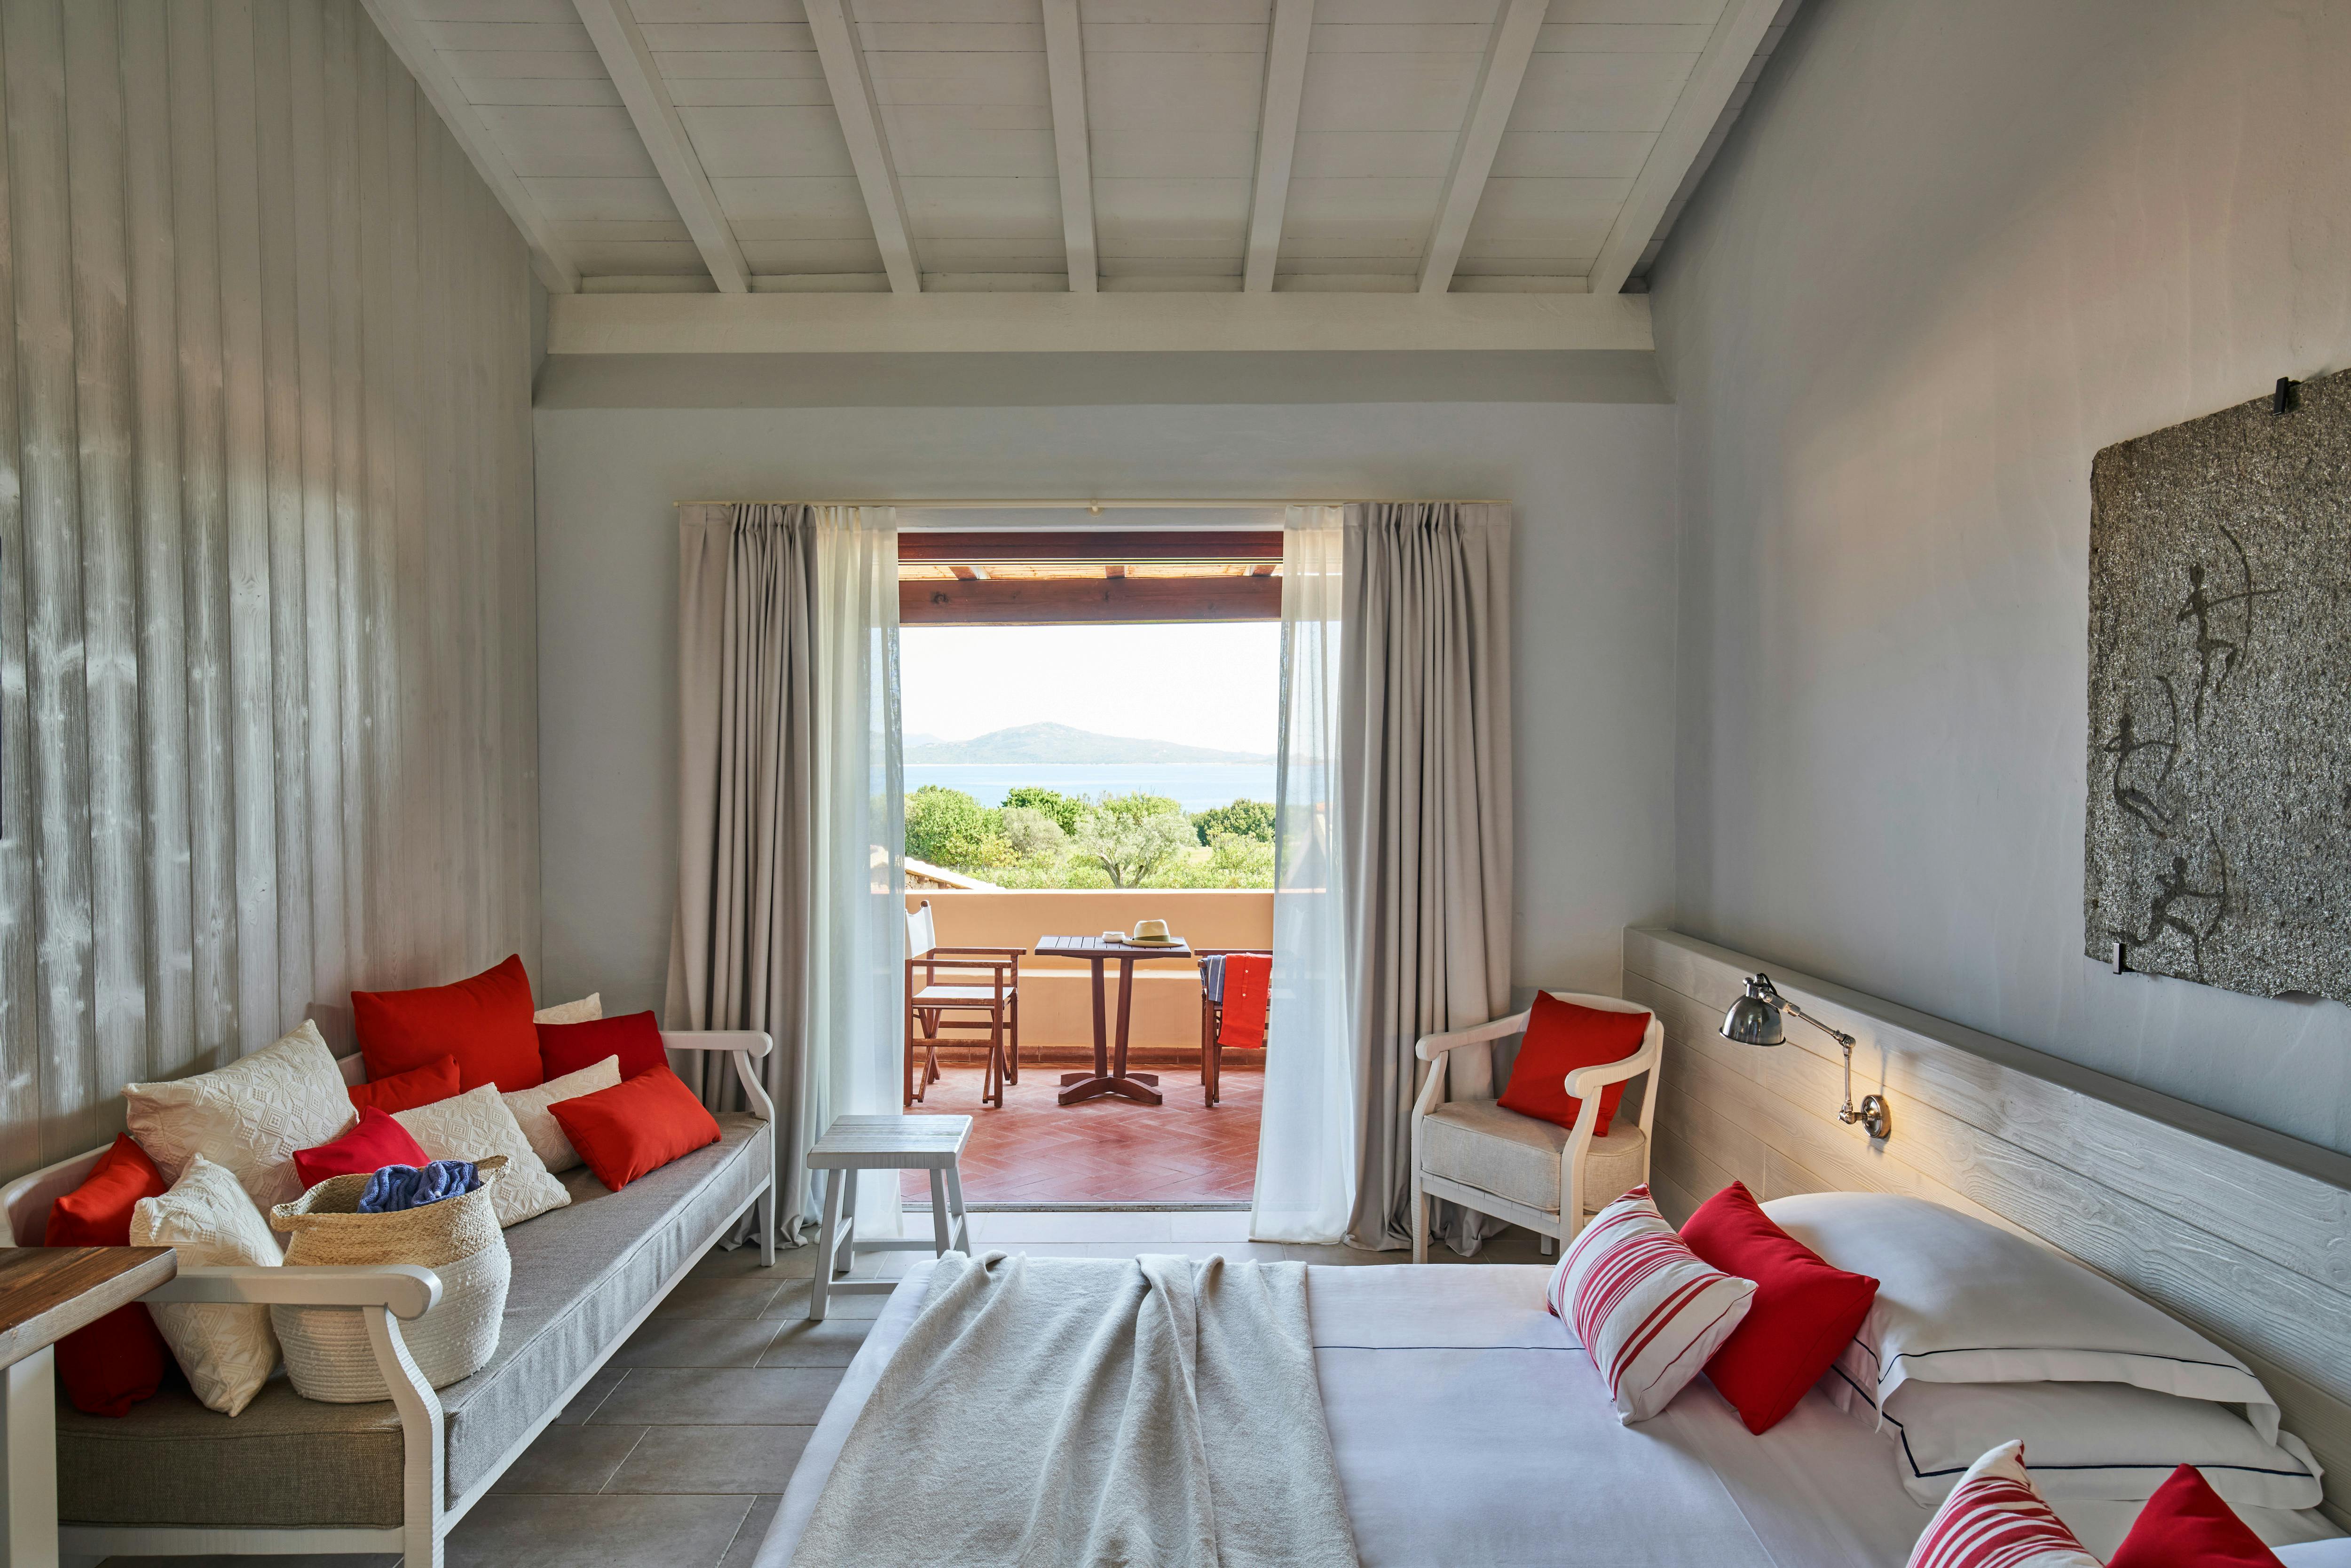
x=405 y=1289
x=741 y=1045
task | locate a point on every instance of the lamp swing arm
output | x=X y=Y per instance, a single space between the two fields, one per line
x=1753 y=1020
x=1848 y=1116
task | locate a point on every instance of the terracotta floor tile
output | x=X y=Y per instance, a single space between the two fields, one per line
x=1035 y=1150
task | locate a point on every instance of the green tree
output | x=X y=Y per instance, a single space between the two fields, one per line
x=1245 y=819
x=1130 y=836
x=948 y=828
x=1034 y=835
x=1065 y=810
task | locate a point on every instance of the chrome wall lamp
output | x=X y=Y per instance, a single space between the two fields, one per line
x=1754 y=1019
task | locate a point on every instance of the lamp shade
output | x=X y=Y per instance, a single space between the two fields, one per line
x=1754 y=1019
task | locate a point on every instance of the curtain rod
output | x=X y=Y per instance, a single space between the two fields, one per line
x=1063 y=504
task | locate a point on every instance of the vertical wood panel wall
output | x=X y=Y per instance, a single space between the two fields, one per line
x=266 y=681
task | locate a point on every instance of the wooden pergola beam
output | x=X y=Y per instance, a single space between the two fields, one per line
x=1079 y=600
x=1155 y=546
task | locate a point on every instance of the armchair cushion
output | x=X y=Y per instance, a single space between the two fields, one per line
x=1479 y=1143
x=1561 y=1037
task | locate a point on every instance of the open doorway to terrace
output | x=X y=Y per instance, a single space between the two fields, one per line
x=1089 y=723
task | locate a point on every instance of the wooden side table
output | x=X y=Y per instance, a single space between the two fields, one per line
x=853 y=1144
x=1110 y=1075
x=46 y=1293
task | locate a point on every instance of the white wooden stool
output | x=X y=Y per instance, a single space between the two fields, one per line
x=855 y=1144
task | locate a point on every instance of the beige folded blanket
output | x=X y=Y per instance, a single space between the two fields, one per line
x=1159 y=1412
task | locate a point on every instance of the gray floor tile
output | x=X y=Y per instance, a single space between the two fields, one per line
x=681 y=1460
x=833 y=1343
x=1067 y=1225
x=655 y=1397
x=741 y=1263
x=700 y=1297
x=608 y=1531
x=575 y=1458
x=676 y=1338
x=584 y=1403
x=792 y=1301
x=746 y=1549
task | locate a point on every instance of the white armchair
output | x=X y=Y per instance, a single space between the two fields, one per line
x=1530 y=1172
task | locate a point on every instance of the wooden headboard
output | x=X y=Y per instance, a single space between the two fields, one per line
x=2244 y=1232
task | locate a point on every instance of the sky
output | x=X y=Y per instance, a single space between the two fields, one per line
x=1216 y=685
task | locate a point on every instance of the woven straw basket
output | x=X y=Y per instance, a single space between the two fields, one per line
x=326 y=1350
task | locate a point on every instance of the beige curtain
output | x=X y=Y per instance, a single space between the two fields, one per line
x=790 y=894
x=1425 y=813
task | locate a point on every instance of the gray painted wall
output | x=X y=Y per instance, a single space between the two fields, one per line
x=1951 y=250
x=1595 y=616
x=265 y=640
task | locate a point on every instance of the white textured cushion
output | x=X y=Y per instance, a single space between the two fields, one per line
x=249 y=1116
x=2088 y=1441
x=474 y=1126
x=587 y=1010
x=546 y=1134
x=1647 y=1310
x=1481 y=1145
x=1994 y=1518
x=226 y=1351
x=1960 y=1300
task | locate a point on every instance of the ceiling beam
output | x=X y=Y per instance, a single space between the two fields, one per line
x=1277 y=137
x=842 y=55
x=400 y=29
x=1507 y=48
x=1062 y=600
x=1728 y=50
x=1065 y=76
x=631 y=66
x=1057 y=322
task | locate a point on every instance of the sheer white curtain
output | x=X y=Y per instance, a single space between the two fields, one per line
x=790 y=912
x=1306 y=1141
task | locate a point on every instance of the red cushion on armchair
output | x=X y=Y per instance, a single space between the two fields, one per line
x=1561 y=1037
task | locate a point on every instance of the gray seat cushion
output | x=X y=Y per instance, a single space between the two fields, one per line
x=1480 y=1144
x=581 y=1273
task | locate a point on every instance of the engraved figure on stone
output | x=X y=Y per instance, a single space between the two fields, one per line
x=2202 y=605
x=2172 y=888
x=2126 y=747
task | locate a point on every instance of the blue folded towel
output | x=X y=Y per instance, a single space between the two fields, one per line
x=396 y=1188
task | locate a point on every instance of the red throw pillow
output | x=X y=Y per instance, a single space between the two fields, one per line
x=2186 y=1525
x=634 y=1038
x=638 y=1125
x=1561 y=1037
x=1805 y=1314
x=484 y=1022
x=425 y=1085
x=377 y=1141
x=111 y=1365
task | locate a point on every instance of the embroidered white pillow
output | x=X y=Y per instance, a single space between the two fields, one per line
x=1994 y=1518
x=474 y=1126
x=587 y=1010
x=226 y=1351
x=1644 y=1306
x=248 y=1116
x=539 y=1124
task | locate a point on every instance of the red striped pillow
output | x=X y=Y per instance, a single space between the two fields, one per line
x=1994 y=1518
x=1645 y=1307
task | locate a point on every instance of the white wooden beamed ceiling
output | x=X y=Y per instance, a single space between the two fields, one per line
x=935 y=164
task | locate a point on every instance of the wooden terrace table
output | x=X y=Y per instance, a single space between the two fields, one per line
x=1110 y=1075
x=46 y=1293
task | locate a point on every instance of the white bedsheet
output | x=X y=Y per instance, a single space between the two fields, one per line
x=1470 y=1428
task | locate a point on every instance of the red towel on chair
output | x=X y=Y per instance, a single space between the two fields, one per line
x=1247 y=976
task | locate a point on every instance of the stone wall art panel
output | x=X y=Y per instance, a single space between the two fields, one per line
x=2218 y=827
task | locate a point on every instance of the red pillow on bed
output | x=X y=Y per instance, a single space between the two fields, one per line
x=2186 y=1525
x=1561 y=1037
x=635 y=1127
x=1803 y=1314
x=110 y=1366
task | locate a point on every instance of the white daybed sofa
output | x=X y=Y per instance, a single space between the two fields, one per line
x=291 y=1475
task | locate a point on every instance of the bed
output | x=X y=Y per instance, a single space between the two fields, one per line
x=1468 y=1427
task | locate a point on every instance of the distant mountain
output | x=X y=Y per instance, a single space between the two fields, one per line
x=1050 y=743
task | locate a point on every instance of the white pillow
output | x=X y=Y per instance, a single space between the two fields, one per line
x=1645 y=1309
x=587 y=1010
x=2085 y=1441
x=1960 y=1300
x=546 y=1134
x=474 y=1126
x=249 y=1116
x=2315 y=1554
x=226 y=1351
x=1995 y=1516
